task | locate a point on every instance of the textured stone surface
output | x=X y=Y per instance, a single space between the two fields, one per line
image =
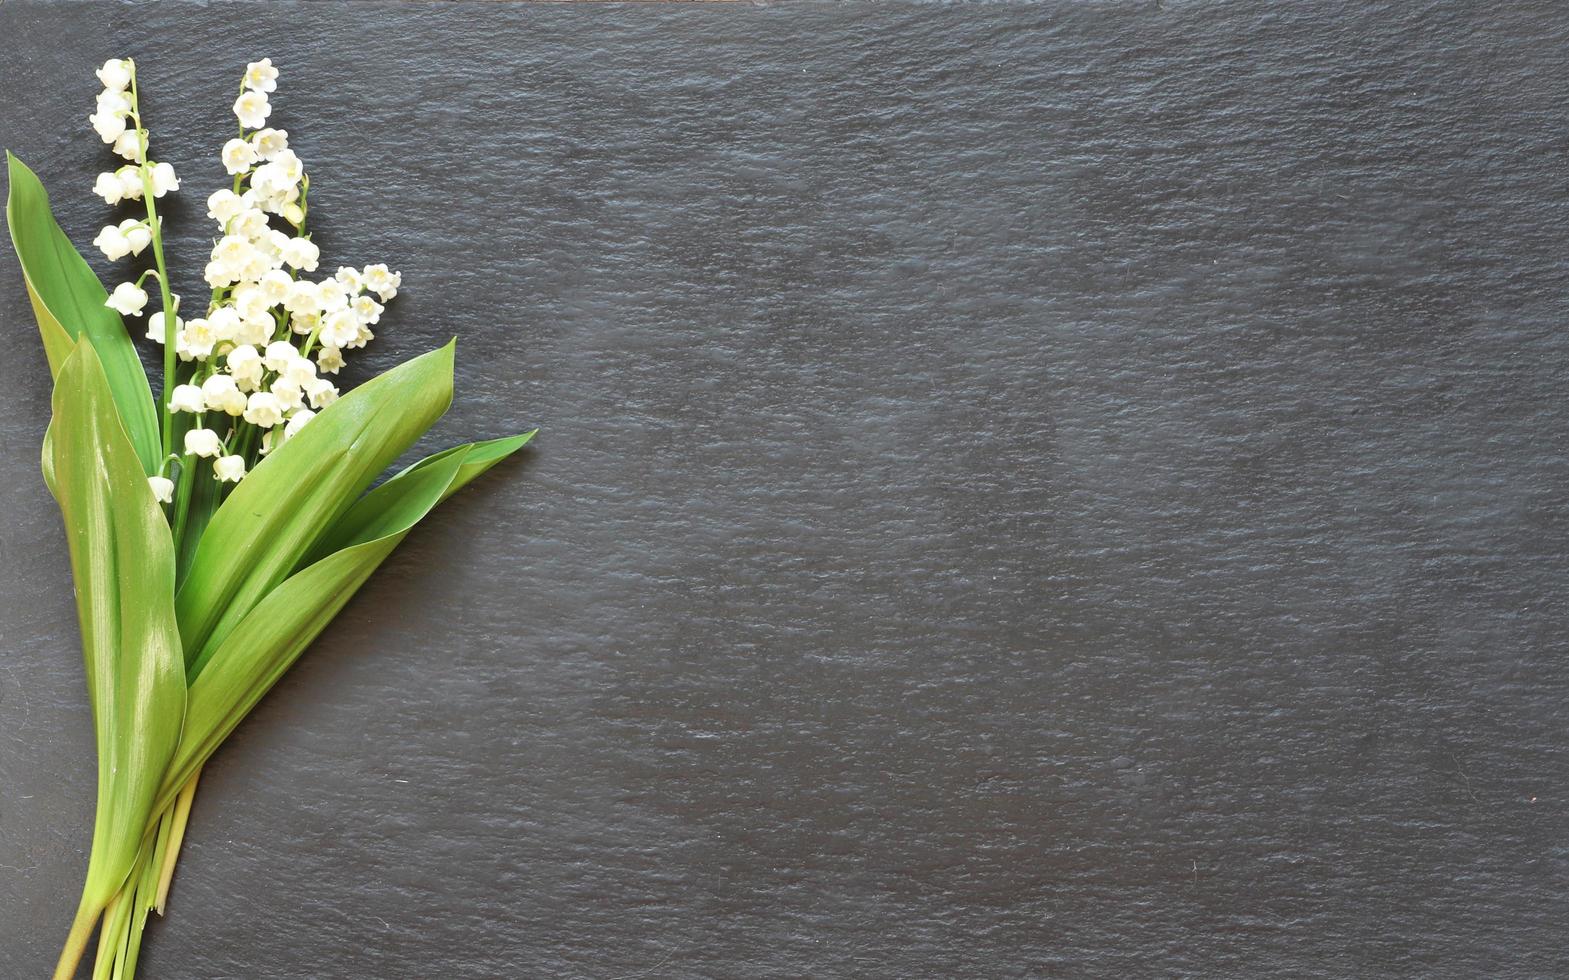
x=1024 y=491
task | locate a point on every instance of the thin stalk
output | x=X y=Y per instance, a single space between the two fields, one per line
x=155 y=225
x=144 y=882
x=182 y=815
x=87 y=915
x=111 y=938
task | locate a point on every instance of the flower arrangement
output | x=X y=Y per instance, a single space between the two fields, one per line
x=216 y=530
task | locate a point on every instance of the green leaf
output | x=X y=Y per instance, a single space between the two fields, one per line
x=68 y=302
x=122 y=560
x=241 y=669
x=278 y=512
x=372 y=509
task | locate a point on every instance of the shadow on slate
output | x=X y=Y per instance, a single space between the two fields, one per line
x=1024 y=491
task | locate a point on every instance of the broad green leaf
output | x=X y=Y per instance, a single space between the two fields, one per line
x=68 y=302
x=252 y=657
x=122 y=559
x=370 y=510
x=275 y=515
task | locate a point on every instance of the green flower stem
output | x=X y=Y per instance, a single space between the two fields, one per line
x=182 y=816
x=141 y=892
x=155 y=225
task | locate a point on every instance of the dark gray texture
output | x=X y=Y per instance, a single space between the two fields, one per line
x=1024 y=491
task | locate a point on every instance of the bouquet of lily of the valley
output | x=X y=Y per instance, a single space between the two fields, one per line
x=214 y=531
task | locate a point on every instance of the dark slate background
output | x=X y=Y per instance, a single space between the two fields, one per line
x=1066 y=490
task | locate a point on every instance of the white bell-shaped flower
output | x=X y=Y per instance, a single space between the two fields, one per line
x=263 y=409
x=128 y=298
x=115 y=74
x=113 y=243
x=163 y=179
x=203 y=442
x=108 y=187
x=252 y=109
x=163 y=489
x=297 y=422
x=229 y=469
x=129 y=144
x=261 y=76
x=187 y=398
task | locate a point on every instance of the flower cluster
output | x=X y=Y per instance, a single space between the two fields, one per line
x=255 y=362
x=117 y=120
x=118 y=123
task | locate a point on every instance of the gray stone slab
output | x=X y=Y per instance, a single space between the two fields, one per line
x=1064 y=490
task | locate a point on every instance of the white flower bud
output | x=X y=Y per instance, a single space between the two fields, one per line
x=113 y=103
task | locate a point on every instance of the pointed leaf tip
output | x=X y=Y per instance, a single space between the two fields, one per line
x=68 y=303
x=276 y=514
